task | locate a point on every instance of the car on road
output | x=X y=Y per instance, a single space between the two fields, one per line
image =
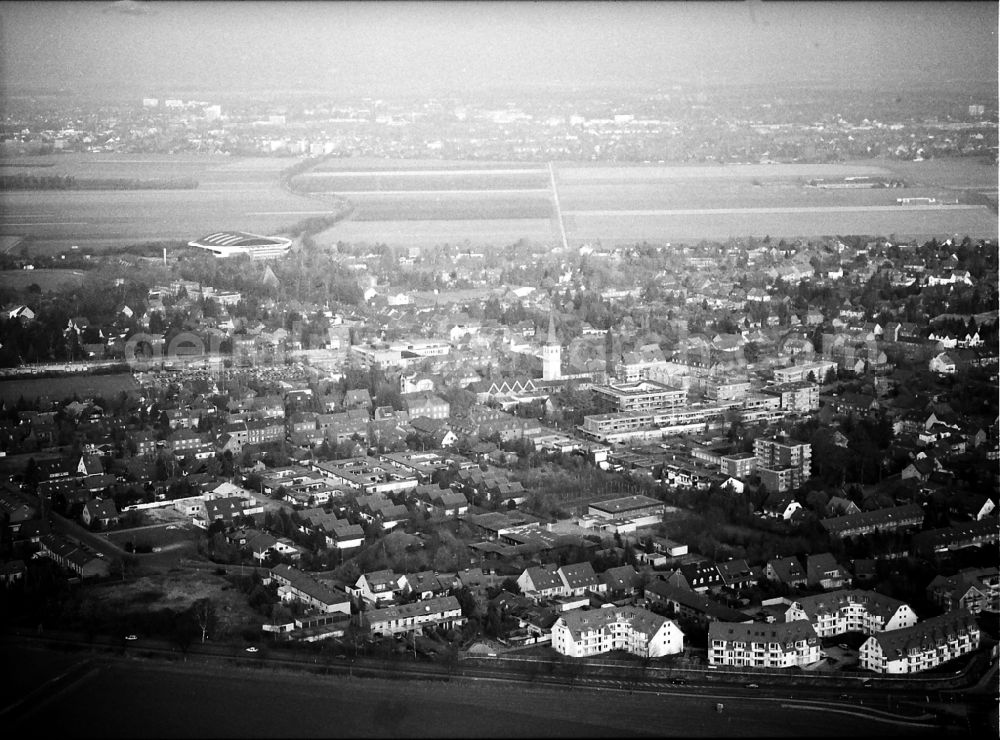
x=678 y=681
x=753 y=685
x=251 y=649
x=131 y=637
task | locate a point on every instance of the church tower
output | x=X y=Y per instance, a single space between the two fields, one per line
x=552 y=354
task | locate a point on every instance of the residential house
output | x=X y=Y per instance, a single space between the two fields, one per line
x=540 y=583
x=578 y=579
x=824 y=571
x=735 y=574
x=681 y=602
x=974 y=589
x=942 y=363
x=76 y=558
x=907 y=516
x=622 y=582
x=934 y=542
x=428 y=405
x=426 y=584
x=441 y=612
x=294 y=585
x=702 y=575
x=787 y=571
x=780 y=505
x=379 y=586
x=444 y=502
x=99 y=512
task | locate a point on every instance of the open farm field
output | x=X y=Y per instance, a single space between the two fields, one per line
x=238 y=194
x=371 y=164
x=708 y=194
x=439 y=180
x=480 y=232
x=570 y=173
x=47 y=280
x=448 y=207
x=494 y=203
x=691 y=225
x=946 y=173
x=211 y=167
x=56 y=389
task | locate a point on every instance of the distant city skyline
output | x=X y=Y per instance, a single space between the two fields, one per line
x=131 y=47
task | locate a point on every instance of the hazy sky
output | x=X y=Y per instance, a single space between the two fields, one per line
x=154 y=47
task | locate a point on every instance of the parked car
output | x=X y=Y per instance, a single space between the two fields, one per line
x=753 y=686
x=131 y=637
x=251 y=649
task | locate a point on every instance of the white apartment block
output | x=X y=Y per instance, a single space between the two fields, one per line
x=757 y=645
x=922 y=646
x=813 y=371
x=851 y=610
x=581 y=633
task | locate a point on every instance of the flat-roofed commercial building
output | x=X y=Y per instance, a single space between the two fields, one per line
x=628 y=507
x=641 y=395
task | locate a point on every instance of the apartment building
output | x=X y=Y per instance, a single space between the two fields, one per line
x=797 y=397
x=922 y=646
x=757 y=645
x=815 y=372
x=851 y=610
x=782 y=463
x=580 y=633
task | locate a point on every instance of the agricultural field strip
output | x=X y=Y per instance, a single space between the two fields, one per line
x=484 y=191
x=394 y=173
x=789 y=209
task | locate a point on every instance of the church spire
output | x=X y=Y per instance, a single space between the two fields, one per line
x=552 y=338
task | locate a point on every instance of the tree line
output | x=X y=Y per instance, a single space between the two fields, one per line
x=24 y=181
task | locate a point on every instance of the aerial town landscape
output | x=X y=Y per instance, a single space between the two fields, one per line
x=541 y=411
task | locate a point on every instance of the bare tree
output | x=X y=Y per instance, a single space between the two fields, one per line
x=204 y=614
